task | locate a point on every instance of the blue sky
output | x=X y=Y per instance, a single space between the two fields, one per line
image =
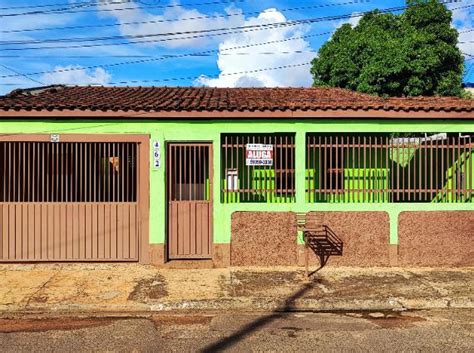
x=240 y=57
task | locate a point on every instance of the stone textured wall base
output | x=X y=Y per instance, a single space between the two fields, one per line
x=430 y=238
x=221 y=256
x=393 y=254
x=436 y=238
x=365 y=237
x=263 y=239
x=156 y=254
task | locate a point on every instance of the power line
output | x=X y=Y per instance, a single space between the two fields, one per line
x=170 y=79
x=193 y=54
x=134 y=42
x=148 y=56
x=151 y=56
x=207 y=76
x=177 y=56
x=207 y=32
x=225 y=74
x=201 y=53
x=43 y=5
x=55 y=11
x=20 y=74
x=211 y=32
x=64 y=11
x=213 y=76
x=139 y=36
x=65 y=4
x=75 y=56
x=182 y=19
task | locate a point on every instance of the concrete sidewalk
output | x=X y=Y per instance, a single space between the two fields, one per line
x=133 y=288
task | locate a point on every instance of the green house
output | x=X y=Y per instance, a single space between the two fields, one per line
x=221 y=176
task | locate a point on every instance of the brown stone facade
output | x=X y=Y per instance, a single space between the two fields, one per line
x=365 y=237
x=156 y=254
x=221 y=255
x=263 y=239
x=269 y=239
x=436 y=238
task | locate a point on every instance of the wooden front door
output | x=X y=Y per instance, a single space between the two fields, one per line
x=189 y=190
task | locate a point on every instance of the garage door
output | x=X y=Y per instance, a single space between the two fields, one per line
x=73 y=197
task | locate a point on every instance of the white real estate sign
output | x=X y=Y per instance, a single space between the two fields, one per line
x=258 y=154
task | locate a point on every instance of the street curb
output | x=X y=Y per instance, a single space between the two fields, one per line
x=244 y=304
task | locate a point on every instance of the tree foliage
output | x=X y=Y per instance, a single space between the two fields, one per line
x=410 y=54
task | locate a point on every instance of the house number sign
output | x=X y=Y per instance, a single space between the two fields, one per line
x=54 y=138
x=156 y=154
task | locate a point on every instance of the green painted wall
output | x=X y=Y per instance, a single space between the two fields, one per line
x=209 y=131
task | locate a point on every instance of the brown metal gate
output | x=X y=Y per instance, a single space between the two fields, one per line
x=189 y=189
x=73 y=197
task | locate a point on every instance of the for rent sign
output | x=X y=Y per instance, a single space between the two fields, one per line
x=258 y=154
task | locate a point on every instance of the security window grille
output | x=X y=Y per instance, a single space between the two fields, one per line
x=258 y=168
x=370 y=168
x=188 y=173
x=68 y=172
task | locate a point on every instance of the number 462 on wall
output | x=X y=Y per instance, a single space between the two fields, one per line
x=156 y=154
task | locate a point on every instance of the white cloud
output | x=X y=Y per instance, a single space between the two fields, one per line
x=172 y=20
x=77 y=77
x=353 y=20
x=464 y=22
x=298 y=76
x=249 y=81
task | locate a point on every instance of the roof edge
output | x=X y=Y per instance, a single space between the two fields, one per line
x=268 y=114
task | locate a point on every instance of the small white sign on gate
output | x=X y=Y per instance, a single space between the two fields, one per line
x=54 y=138
x=258 y=154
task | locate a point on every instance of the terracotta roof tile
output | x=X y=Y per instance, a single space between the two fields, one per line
x=188 y=99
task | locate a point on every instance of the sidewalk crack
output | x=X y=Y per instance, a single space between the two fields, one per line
x=441 y=291
x=43 y=286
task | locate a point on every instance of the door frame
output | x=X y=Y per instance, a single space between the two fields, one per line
x=211 y=198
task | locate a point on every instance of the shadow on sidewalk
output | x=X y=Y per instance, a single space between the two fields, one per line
x=258 y=323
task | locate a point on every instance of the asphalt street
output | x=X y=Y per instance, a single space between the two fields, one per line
x=420 y=331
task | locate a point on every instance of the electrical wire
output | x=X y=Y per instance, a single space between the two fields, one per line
x=20 y=74
x=220 y=75
x=176 y=56
x=201 y=53
x=213 y=76
x=182 y=19
x=65 y=4
x=171 y=79
x=207 y=32
x=166 y=57
x=65 y=11
x=149 y=56
x=168 y=34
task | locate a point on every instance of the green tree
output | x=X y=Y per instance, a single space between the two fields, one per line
x=410 y=54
